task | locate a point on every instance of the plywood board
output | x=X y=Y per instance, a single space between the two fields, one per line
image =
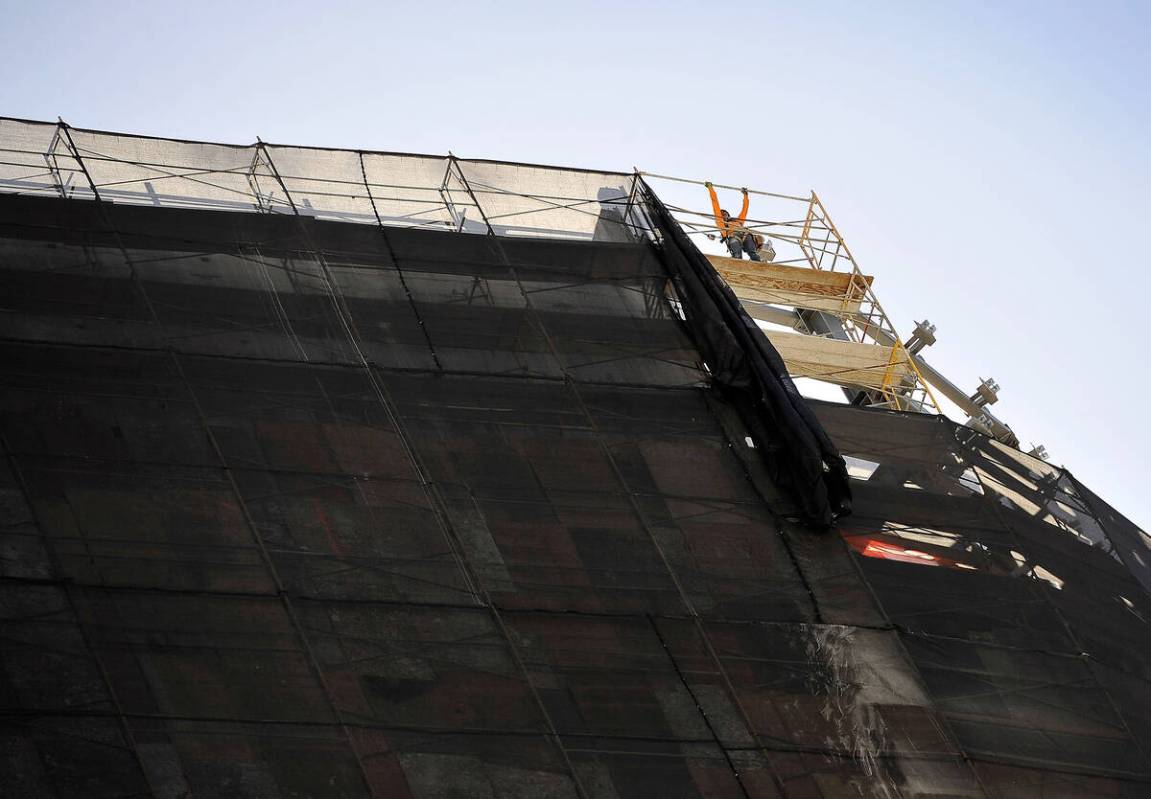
x=842 y=362
x=799 y=287
x=795 y=299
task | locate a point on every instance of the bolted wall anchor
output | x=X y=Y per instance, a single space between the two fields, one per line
x=922 y=336
x=987 y=393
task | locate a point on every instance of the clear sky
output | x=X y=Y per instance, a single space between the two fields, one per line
x=987 y=162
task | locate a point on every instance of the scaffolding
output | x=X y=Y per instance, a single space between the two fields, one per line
x=814 y=286
x=845 y=313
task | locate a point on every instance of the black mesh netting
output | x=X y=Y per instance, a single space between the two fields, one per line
x=297 y=507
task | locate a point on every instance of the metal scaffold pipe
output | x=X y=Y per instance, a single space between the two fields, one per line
x=724 y=186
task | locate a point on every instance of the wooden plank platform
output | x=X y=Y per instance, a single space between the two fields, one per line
x=842 y=362
x=794 y=286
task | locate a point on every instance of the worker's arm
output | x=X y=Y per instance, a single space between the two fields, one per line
x=715 y=209
x=743 y=211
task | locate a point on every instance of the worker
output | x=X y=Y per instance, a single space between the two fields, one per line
x=731 y=231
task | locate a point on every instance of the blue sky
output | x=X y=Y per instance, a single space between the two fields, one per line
x=987 y=162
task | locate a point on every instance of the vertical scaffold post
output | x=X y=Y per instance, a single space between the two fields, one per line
x=805 y=234
x=63 y=129
x=631 y=198
x=262 y=149
x=455 y=164
x=53 y=163
x=832 y=228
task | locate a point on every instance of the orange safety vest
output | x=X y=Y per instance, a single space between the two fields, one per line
x=728 y=228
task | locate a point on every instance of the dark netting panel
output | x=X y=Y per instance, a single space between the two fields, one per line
x=298 y=507
x=1023 y=613
x=1128 y=543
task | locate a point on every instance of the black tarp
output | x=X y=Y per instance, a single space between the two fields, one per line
x=797 y=451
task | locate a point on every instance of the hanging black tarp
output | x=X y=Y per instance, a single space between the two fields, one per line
x=798 y=453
